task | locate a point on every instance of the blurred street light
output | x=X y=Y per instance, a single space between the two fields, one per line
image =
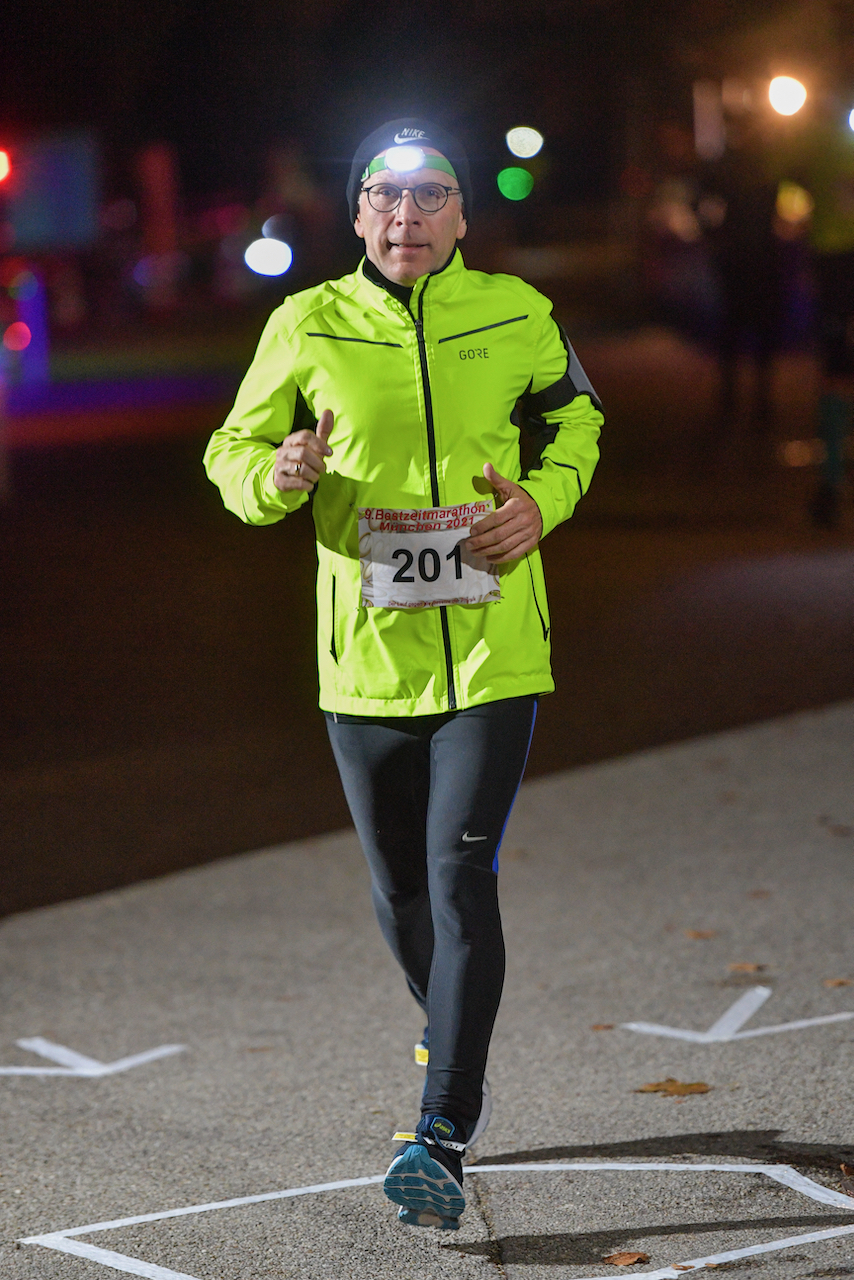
x=5 y=165
x=17 y=337
x=268 y=257
x=524 y=142
x=515 y=183
x=794 y=203
x=786 y=95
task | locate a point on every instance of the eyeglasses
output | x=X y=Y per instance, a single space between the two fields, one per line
x=430 y=197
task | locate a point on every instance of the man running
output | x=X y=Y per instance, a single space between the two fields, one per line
x=398 y=390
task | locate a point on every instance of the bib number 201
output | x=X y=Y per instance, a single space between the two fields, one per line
x=404 y=554
x=418 y=558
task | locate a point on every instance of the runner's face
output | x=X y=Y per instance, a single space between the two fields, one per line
x=407 y=243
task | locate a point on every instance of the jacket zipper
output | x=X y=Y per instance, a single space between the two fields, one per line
x=434 y=483
x=536 y=601
x=333 y=649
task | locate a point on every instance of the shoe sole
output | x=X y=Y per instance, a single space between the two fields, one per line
x=424 y=1188
x=413 y=1219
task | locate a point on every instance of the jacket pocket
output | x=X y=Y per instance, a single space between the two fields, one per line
x=333 y=646
x=540 y=613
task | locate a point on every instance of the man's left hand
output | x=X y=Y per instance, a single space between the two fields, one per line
x=512 y=530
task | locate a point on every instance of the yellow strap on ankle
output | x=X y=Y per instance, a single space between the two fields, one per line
x=403 y=1137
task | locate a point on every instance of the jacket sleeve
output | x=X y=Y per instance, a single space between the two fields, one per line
x=563 y=411
x=240 y=455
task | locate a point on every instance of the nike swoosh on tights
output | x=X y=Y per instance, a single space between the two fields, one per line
x=468 y=839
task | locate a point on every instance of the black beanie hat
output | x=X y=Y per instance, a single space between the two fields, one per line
x=418 y=132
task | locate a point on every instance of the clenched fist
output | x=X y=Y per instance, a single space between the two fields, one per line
x=301 y=457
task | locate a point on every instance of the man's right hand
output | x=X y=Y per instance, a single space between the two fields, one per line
x=300 y=458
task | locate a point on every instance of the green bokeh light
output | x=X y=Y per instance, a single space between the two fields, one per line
x=515 y=183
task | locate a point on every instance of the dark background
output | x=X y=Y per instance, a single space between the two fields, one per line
x=223 y=80
x=157 y=671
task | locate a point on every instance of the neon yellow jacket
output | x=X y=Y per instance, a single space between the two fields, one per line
x=422 y=398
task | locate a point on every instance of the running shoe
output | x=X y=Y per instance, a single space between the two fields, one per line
x=426 y=1175
x=422 y=1057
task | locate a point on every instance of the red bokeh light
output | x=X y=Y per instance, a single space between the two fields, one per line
x=17 y=337
x=5 y=165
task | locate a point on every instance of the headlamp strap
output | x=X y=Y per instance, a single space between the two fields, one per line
x=430 y=162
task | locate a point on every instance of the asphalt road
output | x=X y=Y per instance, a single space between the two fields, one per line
x=157 y=672
x=666 y=887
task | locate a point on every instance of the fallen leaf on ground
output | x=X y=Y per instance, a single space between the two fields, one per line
x=626 y=1259
x=677 y=1266
x=838 y=982
x=835 y=828
x=674 y=1088
x=701 y=934
x=847 y=1178
x=746 y=968
x=602 y=1026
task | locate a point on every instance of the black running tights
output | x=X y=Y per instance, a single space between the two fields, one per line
x=430 y=798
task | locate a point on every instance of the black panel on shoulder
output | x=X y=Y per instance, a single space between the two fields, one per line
x=573 y=383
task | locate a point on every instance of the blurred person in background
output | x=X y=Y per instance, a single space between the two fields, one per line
x=391 y=396
x=740 y=208
x=820 y=157
x=676 y=256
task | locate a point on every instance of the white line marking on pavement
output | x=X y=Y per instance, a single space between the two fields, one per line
x=64 y=1242
x=778 y=1172
x=715 y=1259
x=737 y=1014
x=77 y=1064
x=207 y=1208
x=107 y=1258
x=728 y=1025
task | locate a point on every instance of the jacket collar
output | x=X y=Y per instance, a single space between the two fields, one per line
x=442 y=283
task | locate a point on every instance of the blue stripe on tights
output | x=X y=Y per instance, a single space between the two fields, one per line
x=521 y=776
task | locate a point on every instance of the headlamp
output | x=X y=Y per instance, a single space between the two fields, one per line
x=405 y=159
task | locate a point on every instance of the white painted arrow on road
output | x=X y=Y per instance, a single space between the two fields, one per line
x=77 y=1064
x=728 y=1026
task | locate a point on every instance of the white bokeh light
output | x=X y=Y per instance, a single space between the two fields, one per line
x=268 y=257
x=786 y=95
x=851 y=120
x=524 y=142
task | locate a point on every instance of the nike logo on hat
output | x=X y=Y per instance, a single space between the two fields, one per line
x=408 y=135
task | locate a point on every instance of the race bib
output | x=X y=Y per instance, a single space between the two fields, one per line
x=417 y=559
